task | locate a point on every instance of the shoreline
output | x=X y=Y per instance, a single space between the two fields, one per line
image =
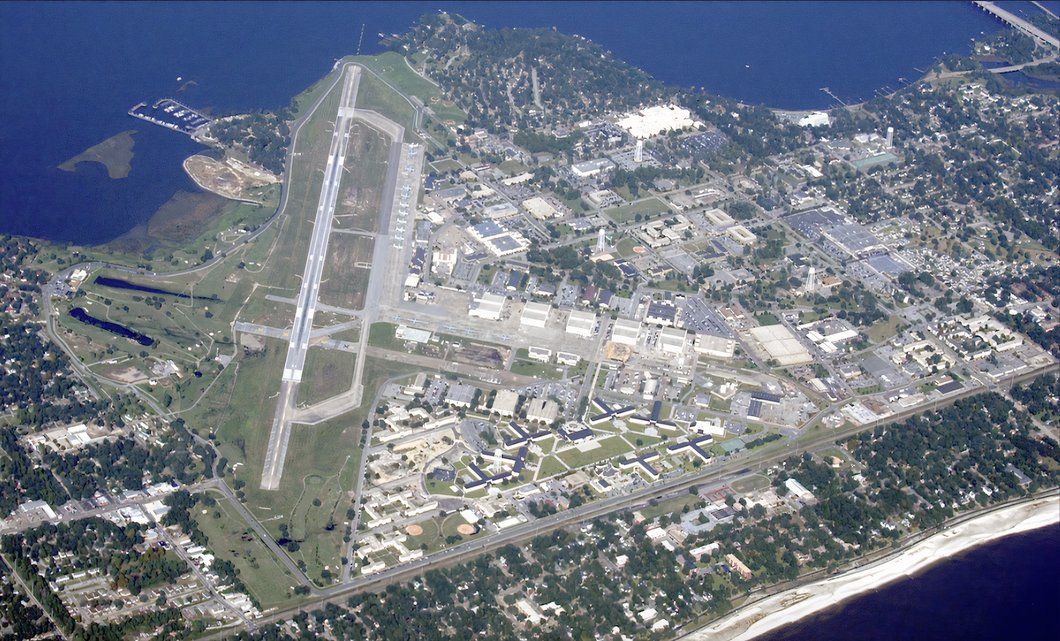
x=778 y=610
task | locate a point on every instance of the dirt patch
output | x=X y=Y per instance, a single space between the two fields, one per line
x=114 y=153
x=414 y=530
x=466 y=529
x=361 y=189
x=180 y=220
x=126 y=375
x=480 y=355
x=229 y=178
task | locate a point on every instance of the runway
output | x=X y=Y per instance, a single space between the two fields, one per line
x=306 y=304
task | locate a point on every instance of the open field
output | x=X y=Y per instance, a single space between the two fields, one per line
x=242 y=408
x=536 y=369
x=395 y=71
x=327 y=373
x=364 y=173
x=647 y=208
x=375 y=95
x=268 y=581
x=346 y=269
x=607 y=448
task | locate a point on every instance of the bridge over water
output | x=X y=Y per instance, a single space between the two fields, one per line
x=1018 y=23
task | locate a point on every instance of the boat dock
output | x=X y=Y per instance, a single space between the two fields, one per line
x=171 y=114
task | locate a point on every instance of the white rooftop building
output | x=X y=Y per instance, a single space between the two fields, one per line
x=652 y=121
x=540 y=208
x=505 y=402
x=535 y=315
x=581 y=323
x=488 y=306
x=590 y=168
x=672 y=340
x=625 y=331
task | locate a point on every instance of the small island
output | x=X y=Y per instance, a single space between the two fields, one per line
x=114 y=153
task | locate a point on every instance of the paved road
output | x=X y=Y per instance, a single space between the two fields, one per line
x=305 y=307
x=716 y=474
x=1019 y=24
x=66 y=517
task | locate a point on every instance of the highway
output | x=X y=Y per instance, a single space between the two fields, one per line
x=716 y=474
x=1019 y=23
x=306 y=304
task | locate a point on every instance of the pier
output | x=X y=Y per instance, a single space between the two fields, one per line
x=171 y=114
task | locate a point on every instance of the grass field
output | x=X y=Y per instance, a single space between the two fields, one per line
x=550 y=466
x=647 y=208
x=397 y=73
x=883 y=329
x=346 y=269
x=609 y=447
x=363 y=178
x=328 y=372
x=446 y=164
x=625 y=246
x=268 y=581
x=669 y=506
x=430 y=540
x=536 y=369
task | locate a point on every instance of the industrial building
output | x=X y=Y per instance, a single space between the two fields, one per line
x=581 y=323
x=535 y=315
x=488 y=306
x=625 y=331
x=590 y=168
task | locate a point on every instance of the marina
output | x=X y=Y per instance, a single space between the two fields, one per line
x=171 y=114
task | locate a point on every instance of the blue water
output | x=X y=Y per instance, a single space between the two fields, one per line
x=69 y=72
x=1009 y=589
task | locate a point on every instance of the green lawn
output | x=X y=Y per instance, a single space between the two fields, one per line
x=396 y=72
x=328 y=372
x=536 y=369
x=550 y=466
x=609 y=447
x=230 y=539
x=647 y=208
x=767 y=318
x=446 y=165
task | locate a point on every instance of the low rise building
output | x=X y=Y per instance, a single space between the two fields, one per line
x=488 y=306
x=535 y=315
x=581 y=323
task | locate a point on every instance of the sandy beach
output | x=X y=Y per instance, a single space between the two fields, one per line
x=790 y=606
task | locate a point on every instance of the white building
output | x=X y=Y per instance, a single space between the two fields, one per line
x=500 y=210
x=625 y=332
x=488 y=306
x=581 y=323
x=540 y=208
x=715 y=346
x=652 y=121
x=672 y=340
x=542 y=410
x=505 y=402
x=535 y=315
x=590 y=168
x=443 y=261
